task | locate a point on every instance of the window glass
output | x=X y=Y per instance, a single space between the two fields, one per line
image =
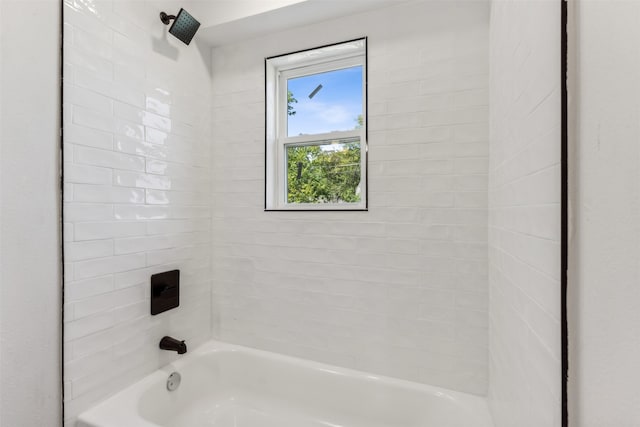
x=324 y=172
x=324 y=102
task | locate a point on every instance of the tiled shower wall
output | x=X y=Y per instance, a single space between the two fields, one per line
x=524 y=214
x=136 y=193
x=399 y=290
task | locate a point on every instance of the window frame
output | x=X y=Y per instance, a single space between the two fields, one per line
x=278 y=70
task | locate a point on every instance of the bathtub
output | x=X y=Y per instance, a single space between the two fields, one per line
x=224 y=385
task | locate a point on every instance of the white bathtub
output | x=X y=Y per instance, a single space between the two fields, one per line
x=230 y=386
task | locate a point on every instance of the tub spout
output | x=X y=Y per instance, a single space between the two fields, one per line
x=172 y=344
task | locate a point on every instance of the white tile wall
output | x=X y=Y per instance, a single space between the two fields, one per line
x=137 y=193
x=524 y=214
x=400 y=290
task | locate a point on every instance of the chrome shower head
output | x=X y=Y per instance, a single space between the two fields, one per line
x=184 y=25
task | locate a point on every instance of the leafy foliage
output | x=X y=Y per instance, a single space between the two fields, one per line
x=327 y=173
x=291 y=100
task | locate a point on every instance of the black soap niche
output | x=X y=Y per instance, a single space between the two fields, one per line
x=165 y=291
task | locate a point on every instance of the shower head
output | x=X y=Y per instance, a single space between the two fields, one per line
x=184 y=26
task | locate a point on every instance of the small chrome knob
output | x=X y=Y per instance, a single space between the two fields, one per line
x=173 y=382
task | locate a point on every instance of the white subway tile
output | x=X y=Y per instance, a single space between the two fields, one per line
x=107 y=301
x=84 y=174
x=88 y=288
x=178 y=226
x=158 y=197
x=134 y=277
x=129 y=129
x=140 y=148
x=88 y=79
x=75 y=17
x=67 y=230
x=127 y=92
x=156 y=136
x=67 y=192
x=88 y=39
x=141 y=180
x=106 y=230
x=142 y=244
x=110 y=159
x=86 y=326
x=107 y=194
x=471 y=165
x=81 y=367
x=108 y=265
x=158 y=106
x=75 y=212
x=76 y=251
x=93 y=119
x=85 y=98
x=85 y=136
x=141 y=212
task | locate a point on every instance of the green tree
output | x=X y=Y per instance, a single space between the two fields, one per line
x=317 y=175
x=291 y=100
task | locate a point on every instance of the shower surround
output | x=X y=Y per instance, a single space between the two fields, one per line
x=160 y=175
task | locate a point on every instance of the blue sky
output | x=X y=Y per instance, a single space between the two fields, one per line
x=335 y=107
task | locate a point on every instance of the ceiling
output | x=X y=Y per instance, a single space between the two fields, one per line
x=228 y=21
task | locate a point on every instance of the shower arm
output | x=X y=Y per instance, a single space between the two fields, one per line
x=166 y=19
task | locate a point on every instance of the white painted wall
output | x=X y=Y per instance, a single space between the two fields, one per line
x=524 y=214
x=30 y=285
x=400 y=290
x=604 y=293
x=137 y=193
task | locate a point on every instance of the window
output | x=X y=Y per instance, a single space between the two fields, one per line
x=316 y=147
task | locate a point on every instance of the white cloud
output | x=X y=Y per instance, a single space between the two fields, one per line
x=316 y=117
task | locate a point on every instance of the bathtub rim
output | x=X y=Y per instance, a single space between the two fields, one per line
x=128 y=398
